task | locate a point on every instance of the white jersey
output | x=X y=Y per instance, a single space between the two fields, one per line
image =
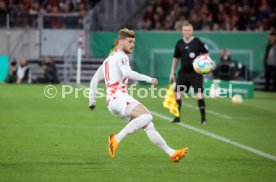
x=116 y=71
x=113 y=76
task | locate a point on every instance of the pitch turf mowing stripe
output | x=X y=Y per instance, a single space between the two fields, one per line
x=225 y=116
x=220 y=138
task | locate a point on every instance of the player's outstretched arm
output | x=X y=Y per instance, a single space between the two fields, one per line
x=98 y=76
x=128 y=72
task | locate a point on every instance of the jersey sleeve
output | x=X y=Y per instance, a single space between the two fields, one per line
x=98 y=76
x=177 y=52
x=129 y=73
x=202 y=47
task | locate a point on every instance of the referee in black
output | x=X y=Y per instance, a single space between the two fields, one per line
x=187 y=49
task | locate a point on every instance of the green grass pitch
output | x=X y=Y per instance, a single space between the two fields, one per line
x=59 y=139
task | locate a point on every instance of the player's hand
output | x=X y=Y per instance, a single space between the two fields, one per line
x=154 y=81
x=92 y=107
x=171 y=78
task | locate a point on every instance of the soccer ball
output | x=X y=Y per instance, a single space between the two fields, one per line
x=203 y=64
x=237 y=99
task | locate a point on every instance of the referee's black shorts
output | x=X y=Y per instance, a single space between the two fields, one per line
x=186 y=80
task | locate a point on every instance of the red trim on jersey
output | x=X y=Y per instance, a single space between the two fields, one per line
x=113 y=84
x=106 y=73
x=107 y=102
x=124 y=79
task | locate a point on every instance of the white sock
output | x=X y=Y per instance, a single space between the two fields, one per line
x=157 y=139
x=134 y=125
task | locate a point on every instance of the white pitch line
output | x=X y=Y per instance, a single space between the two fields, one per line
x=225 y=116
x=220 y=138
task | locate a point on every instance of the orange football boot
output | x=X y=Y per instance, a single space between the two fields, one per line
x=112 y=146
x=179 y=154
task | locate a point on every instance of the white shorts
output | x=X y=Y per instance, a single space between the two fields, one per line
x=121 y=104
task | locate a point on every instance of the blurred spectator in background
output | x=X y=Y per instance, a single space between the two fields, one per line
x=181 y=21
x=25 y=12
x=230 y=69
x=50 y=71
x=211 y=15
x=207 y=15
x=223 y=70
x=3 y=13
x=270 y=61
x=23 y=72
x=11 y=78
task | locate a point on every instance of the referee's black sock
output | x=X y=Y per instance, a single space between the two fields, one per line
x=179 y=105
x=201 y=106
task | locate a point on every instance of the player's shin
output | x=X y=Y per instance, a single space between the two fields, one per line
x=179 y=102
x=201 y=106
x=157 y=139
x=134 y=125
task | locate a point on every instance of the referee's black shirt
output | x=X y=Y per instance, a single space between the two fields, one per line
x=187 y=52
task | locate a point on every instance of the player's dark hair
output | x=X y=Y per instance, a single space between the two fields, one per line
x=126 y=33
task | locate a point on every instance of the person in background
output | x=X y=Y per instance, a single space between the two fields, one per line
x=23 y=72
x=186 y=50
x=230 y=69
x=270 y=61
x=50 y=71
x=11 y=78
x=227 y=68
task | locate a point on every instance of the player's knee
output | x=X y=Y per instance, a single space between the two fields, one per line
x=149 y=127
x=147 y=118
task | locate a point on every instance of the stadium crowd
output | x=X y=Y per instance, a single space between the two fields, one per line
x=205 y=15
x=215 y=15
x=25 y=12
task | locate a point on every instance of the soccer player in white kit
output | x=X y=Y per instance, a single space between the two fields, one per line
x=116 y=71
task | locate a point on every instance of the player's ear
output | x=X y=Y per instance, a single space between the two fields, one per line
x=121 y=41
